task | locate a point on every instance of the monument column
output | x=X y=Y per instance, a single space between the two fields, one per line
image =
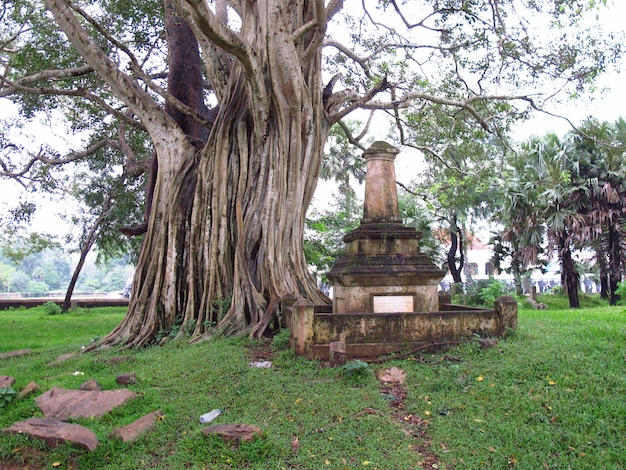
x=381 y=197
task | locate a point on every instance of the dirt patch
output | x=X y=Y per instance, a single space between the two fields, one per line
x=31 y=459
x=412 y=425
x=261 y=351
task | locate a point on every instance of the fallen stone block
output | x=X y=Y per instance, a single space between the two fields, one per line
x=233 y=433
x=55 y=432
x=20 y=352
x=62 y=404
x=126 y=379
x=6 y=381
x=136 y=429
x=91 y=385
x=30 y=388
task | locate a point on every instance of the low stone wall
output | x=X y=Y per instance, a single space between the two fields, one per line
x=368 y=335
x=6 y=304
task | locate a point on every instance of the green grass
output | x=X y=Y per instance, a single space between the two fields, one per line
x=551 y=395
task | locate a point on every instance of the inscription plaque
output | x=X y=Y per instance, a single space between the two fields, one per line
x=392 y=303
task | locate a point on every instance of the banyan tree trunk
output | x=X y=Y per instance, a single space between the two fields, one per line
x=238 y=240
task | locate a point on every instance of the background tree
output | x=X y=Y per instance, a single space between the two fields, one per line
x=325 y=229
x=599 y=151
x=458 y=184
x=226 y=204
x=549 y=197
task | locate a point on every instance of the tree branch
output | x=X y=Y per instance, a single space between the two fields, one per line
x=353 y=140
x=81 y=93
x=137 y=69
x=127 y=89
x=356 y=102
x=41 y=158
x=48 y=75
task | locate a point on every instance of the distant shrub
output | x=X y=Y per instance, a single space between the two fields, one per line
x=492 y=292
x=51 y=308
x=281 y=340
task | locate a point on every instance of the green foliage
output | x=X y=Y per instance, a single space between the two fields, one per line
x=36 y=288
x=220 y=306
x=356 y=369
x=495 y=289
x=482 y=293
x=7 y=394
x=51 y=308
x=323 y=238
x=281 y=340
x=16 y=247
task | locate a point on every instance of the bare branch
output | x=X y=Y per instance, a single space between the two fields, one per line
x=367 y=126
x=353 y=140
x=420 y=23
x=81 y=92
x=49 y=75
x=41 y=158
x=355 y=101
x=333 y=7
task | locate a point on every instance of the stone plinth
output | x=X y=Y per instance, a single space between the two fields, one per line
x=351 y=336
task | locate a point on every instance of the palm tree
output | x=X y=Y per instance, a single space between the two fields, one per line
x=599 y=149
x=542 y=200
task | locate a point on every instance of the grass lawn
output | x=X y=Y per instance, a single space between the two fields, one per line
x=551 y=395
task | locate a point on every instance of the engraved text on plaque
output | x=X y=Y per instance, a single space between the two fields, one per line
x=392 y=303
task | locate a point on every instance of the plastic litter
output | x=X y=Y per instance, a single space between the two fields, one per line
x=262 y=364
x=210 y=416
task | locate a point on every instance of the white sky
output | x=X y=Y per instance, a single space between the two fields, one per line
x=609 y=106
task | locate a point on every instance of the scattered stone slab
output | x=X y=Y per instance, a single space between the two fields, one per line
x=135 y=430
x=55 y=432
x=126 y=379
x=20 y=352
x=91 y=385
x=233 y=433
x=62 y=358
x=393 y=375
x=536 y=305
x=487 y=343
x=32 y=387
x=6 y=381
x=62 y=404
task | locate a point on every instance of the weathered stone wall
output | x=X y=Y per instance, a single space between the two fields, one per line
x=369 y=335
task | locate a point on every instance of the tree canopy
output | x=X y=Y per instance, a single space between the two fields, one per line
x=218 y=113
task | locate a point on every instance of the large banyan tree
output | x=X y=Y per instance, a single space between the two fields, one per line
x=237 y=98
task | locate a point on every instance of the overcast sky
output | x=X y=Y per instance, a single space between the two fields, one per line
x=608 y=105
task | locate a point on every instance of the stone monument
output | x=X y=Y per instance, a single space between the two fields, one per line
x=383 y=270
x=385 y=295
